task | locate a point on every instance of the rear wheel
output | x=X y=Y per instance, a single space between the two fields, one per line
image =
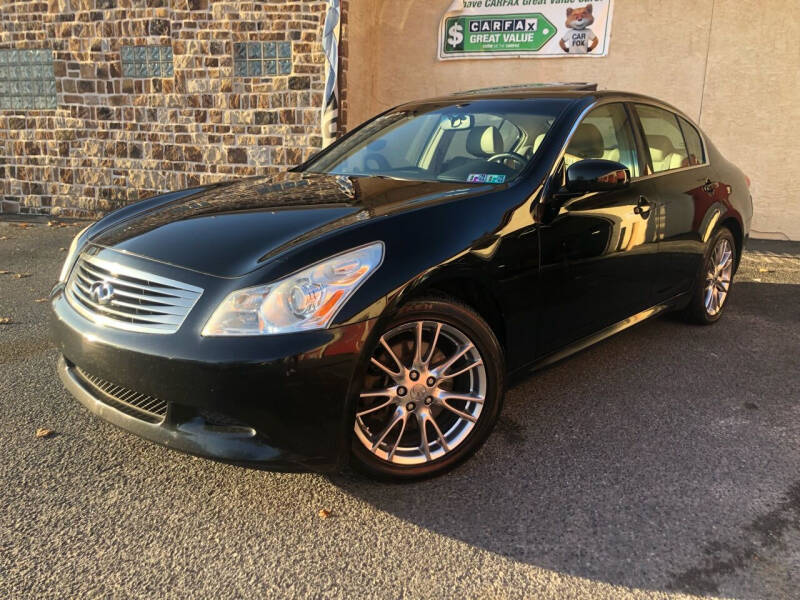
x=713 y=284
x=431 y=392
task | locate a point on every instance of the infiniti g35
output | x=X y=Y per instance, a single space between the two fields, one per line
x=372 y=305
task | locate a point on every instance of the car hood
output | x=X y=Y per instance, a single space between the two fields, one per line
x=231 y=229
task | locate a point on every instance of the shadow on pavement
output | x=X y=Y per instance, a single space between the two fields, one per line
x=669 y=444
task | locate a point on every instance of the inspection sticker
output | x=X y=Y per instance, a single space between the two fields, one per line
x=485 y=178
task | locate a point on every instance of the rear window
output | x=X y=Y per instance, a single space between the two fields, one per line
x=664 y=138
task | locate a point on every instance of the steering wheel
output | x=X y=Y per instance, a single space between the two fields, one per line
x=380 y=159
x=512 y=155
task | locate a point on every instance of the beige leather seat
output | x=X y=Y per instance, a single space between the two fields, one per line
x=608 y=154
x=586 y=143
x=611 y=154
x=537 y=142
x=529 y=150
x=484 y=142
x=663 y=154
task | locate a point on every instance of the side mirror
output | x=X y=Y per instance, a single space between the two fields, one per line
x=597 y=175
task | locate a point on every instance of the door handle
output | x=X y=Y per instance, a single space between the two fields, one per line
x=642 y=207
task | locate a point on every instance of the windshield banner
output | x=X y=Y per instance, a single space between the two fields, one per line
x=525 y=28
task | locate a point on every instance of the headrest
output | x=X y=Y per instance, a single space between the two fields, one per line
x=587 y=142
x=538 y=142
x=660 y=147
x=484 y=141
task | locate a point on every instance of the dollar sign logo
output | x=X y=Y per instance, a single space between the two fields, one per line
x=454 y=33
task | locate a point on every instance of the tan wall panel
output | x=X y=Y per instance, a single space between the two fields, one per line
x=656 y=48
x=401 y=44
x=750 y=107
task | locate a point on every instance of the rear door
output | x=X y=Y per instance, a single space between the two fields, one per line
x=599 y=254
x=685 y=188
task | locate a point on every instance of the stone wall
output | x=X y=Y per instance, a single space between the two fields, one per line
x=344 y=53
x=114 y=139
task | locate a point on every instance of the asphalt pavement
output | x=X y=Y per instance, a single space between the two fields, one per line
x=663 y=462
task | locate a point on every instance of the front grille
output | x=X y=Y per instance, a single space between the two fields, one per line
x=144 y=407
x=139 y=301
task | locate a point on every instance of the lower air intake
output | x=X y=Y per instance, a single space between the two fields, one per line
x=144 y=407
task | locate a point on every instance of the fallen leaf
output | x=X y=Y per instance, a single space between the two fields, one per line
x=762 y=270
x=3 y=237
x=43 y=433
x=4 y=272
x=62 y=249
x=5 y=320
x=21 y=275
x=51 y=223
x=41 y=300
x=324 y=513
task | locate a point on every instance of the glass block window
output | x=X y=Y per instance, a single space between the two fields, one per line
x=27 y=80
x=262 y=59
x=147 y=61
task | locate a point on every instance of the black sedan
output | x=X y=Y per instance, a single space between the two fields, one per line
x=371 y=305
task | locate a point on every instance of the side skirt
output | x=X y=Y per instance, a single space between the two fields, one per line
x=519 y=374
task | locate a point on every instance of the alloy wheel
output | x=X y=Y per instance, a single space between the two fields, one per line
x=423 y=393
x=719 y=272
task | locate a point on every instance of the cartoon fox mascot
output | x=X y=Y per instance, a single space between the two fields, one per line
x=579 y=39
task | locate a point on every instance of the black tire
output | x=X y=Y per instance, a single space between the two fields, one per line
x=470 y=324
x=696 y=311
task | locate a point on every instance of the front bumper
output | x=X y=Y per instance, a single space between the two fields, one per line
x=285 y=400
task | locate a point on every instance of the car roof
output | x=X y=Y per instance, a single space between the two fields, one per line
x=532 y=87
x=573 y=91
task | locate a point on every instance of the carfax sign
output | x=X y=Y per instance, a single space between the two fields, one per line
x=516 y=28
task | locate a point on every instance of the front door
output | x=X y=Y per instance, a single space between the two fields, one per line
x=599 y=255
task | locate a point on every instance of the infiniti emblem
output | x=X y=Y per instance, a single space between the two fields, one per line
x=102 y=292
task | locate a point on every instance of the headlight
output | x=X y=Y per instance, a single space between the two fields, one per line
x=73 y=248
x=308 y=299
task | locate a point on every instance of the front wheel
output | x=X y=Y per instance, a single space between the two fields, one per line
x=431 y=393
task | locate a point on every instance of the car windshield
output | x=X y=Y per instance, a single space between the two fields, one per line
x=479 y=141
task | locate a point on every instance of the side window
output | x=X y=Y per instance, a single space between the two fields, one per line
x=605 y=133
x=664 y=138
x=693 y=143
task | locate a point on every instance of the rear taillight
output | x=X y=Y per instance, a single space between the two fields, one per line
x=747 y=179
